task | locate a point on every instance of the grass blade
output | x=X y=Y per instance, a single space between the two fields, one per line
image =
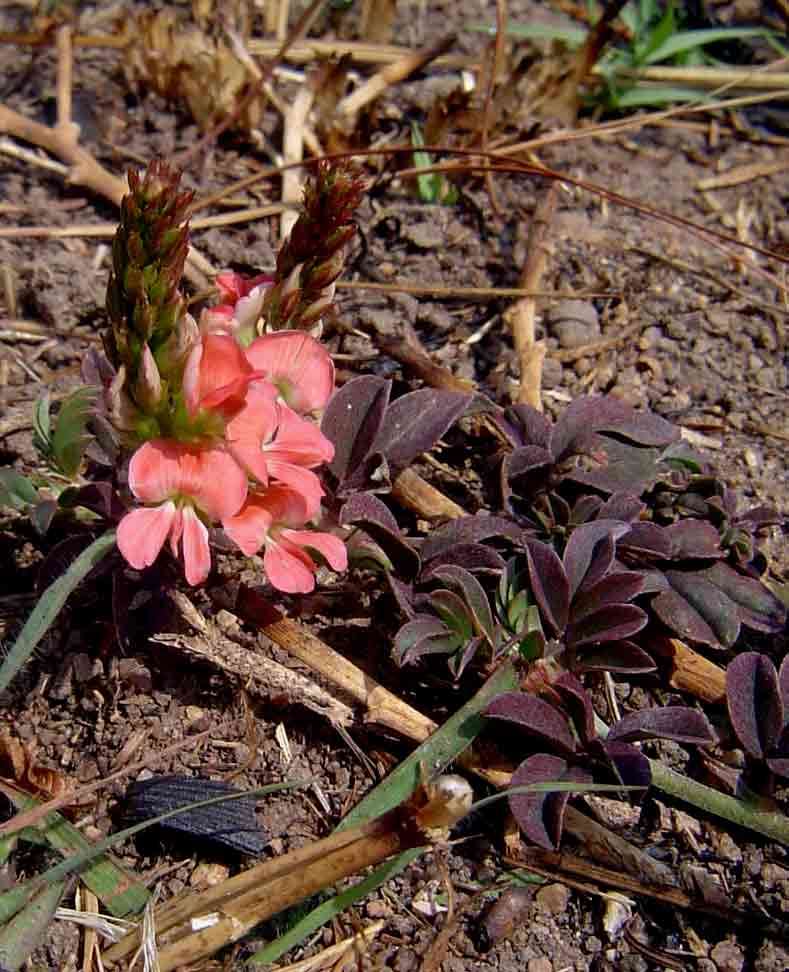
x=49 y=606
x=120 y=893
x=27 y=929
x=435 y=753
x=335 y=906
x=688 y=40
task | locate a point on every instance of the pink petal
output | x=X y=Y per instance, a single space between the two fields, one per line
x=249 y=308
x=289 y=569
x=155 y=470
x=162 y=469
x=301 y=481
x=215 y=481
x=141 y=534
x=197 y=556
x=218 y=320
x=299 y=441
x=298 y=365
x=175 y=532
x=233 y=286
x=249 y=528
x=255 y=424
x=191 y=379
x=224 y=372
x=330 y=547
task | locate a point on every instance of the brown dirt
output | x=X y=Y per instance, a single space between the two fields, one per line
x=705 y=354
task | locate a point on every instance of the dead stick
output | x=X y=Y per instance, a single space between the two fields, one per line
x=418 y=495
x=520 y=317
x=389 y=75
x=382 y=706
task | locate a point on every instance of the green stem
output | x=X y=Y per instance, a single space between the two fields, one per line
x=775 y=826
x=736 y=811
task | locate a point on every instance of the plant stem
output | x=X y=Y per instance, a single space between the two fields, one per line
x=736 y=811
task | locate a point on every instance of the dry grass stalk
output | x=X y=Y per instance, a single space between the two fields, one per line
x=692 y=672
x=260 y=675
x=399 y=70
x=520 y=317
x=410 y=352
x=416 y=494
x=381 y=706
x=708 y=78
x=228 y=911
x=62 y=140
x=293 y=150
x=334 y=955
x=743 y=173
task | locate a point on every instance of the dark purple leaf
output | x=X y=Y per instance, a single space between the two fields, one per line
x=693 y=539
x=645 y=542
x=611 y=623
x=582 y=547
x=414 y=423
x=621 y=506
x=469 y=529
x=473 y=556
x=684 y=620
x=622 y=657
x=753 y=698
x=460 y=659
x=779 y=765
x=454 y=612
x=540 y=815
x=578 y=702
x=783 y=684
x=423 y=635
x=576 y=426
x=527 y=460
x=353 y=419
x=370 y=475
x=625 y=467
x=530 y=426
x=474 y=594
x=403 y=593
x=758 y=607
x=717 y=610
x=629 y=764
x=549 y=584
x=675 y=722
x=538 y=717
x=585 y=509
x=615 y=588
x=365 y=510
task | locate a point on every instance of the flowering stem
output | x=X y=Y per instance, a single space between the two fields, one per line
x=775 y=826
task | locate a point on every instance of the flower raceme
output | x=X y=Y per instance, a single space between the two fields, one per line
x=245 y=416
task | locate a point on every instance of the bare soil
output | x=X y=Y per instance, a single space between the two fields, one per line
x=705 y=349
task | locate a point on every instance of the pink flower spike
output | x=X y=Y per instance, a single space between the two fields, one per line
x=298 y=365
x=233 y=286
x=217 y=375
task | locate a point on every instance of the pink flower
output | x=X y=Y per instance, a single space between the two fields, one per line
x=271 y=442
x=217 y=375
x=274 y=520
x=298 y=366
x=184 y=482
x=242 y=299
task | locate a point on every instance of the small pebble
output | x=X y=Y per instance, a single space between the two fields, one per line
x=539 y=965
x=553 y=899
x=728 y=956
x=574 y=322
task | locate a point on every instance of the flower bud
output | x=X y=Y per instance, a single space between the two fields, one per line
x=148 y=386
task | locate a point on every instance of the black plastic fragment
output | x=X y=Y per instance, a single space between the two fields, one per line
x=231 y=823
